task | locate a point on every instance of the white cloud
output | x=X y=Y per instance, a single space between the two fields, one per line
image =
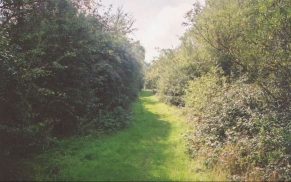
x=158 y=21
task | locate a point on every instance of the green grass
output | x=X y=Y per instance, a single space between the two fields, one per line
x=151 y=149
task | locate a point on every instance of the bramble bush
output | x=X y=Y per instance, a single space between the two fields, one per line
x=236 y=129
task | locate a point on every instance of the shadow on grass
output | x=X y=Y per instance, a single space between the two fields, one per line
x=138 y=153
x=151 y=144
x=141 y=154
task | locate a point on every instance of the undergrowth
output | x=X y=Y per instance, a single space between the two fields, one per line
x=238 y=130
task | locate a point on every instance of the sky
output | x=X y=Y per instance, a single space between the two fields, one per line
x=158 y=22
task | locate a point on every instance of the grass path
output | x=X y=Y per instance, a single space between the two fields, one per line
x=152 y=149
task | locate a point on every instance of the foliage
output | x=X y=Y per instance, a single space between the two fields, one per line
x=171 y=72
x=61 y=66
x=237 y=94
x=238 y=131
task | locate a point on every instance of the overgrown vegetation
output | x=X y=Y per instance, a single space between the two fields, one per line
x=150 y=149
x=65 y=69
x=232 y=72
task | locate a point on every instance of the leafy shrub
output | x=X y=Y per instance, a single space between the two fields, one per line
x=239 y=131
x=114 y=120
x=61 y=65
x=63 y=68
x=232 y=71
x=106 y=121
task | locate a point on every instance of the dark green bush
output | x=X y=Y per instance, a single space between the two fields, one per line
x=63 y=67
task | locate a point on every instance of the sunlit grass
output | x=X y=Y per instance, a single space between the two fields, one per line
x=152 y=148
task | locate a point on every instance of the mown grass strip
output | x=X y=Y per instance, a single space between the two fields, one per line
x=152 y=149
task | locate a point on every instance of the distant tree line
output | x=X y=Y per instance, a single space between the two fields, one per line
x=232 y=72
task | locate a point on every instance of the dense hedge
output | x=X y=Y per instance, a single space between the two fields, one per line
x=232 y=73
x=64 y=69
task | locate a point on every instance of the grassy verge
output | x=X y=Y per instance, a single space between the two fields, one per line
x=151 y=149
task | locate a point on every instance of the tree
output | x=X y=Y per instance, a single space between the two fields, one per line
x=62 y=72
